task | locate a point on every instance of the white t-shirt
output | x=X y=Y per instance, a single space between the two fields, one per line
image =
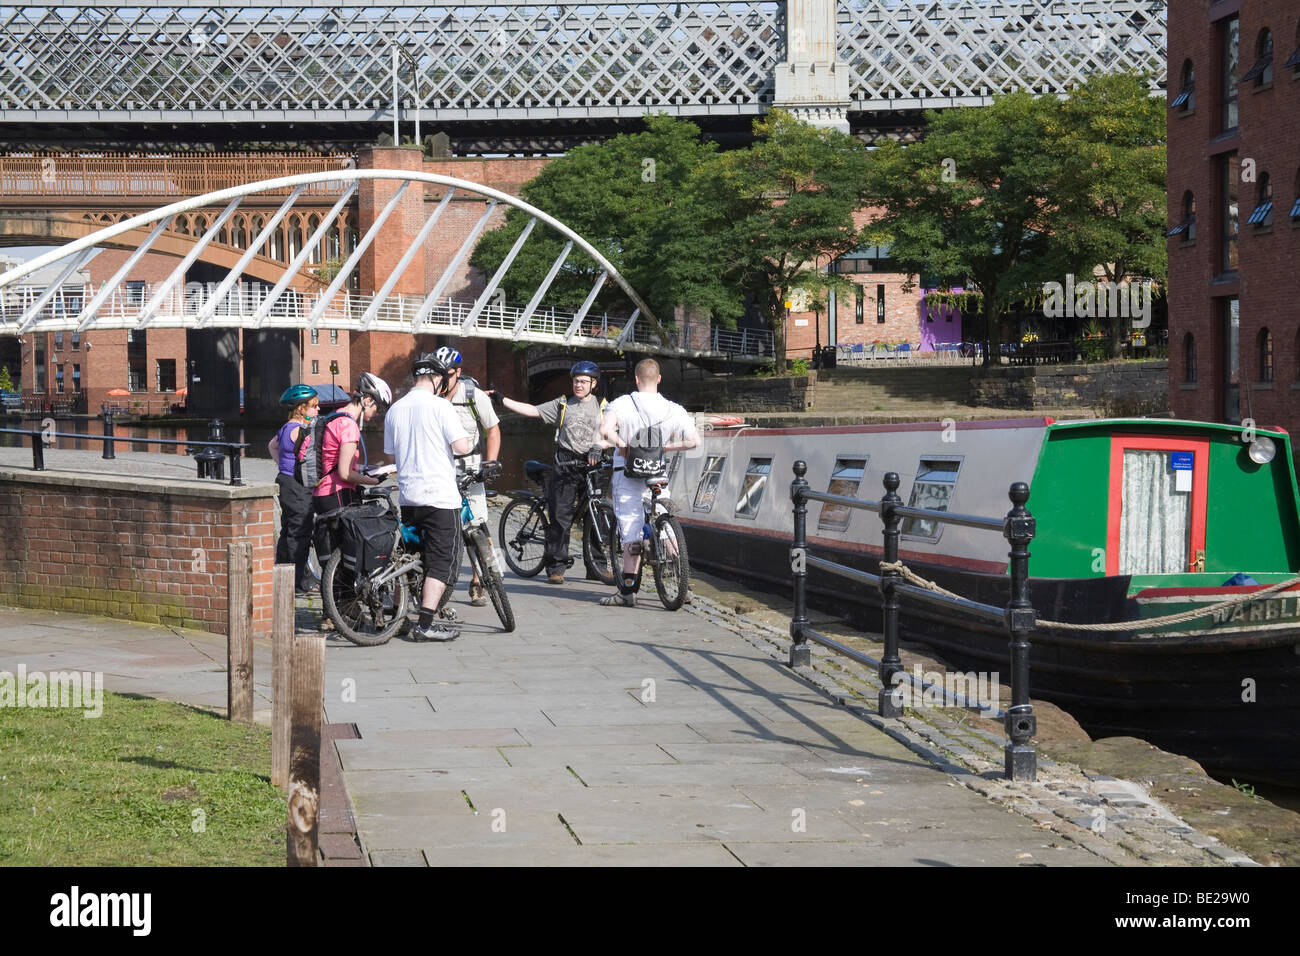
x=486 y=415
x=418 y=432
x=646 y=409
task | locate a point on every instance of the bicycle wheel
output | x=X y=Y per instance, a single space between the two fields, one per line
x=364 y=615
x=672 y=569
x=481 y=559
x=601 y=551
x=523 y=536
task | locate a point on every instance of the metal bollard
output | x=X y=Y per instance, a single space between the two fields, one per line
x=800 y=653
x=109 y=454
x=891 y=696
x=1021 y=725
x=210 y=460
x=38 y=451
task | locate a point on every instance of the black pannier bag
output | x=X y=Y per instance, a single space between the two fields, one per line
x=369 y=537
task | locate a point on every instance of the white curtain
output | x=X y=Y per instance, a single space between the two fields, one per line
x=1155 y=520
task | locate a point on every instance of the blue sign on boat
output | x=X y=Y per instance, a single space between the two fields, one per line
x=1182 y=460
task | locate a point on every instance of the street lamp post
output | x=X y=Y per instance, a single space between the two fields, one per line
x=415 y=77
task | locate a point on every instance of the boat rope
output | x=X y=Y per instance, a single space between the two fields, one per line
x=1141 y=625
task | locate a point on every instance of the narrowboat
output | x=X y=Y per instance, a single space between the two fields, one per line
x=1136 y=519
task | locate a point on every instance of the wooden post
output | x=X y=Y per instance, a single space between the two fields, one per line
x=281 y=644
x=239 y=631
x=308 y=690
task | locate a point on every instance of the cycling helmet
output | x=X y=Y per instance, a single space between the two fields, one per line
x=585 y=368
x=296 y=395
x=376 y=388
x=437 y=363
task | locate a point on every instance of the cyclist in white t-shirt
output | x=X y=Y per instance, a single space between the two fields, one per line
x=627 y=418
x=422 y=433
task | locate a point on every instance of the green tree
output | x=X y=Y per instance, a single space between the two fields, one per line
x=973 y=204
x=6 y=381
x=787 y=200
x=1109 y=138
x=637 y=199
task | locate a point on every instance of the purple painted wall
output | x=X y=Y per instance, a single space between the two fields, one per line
x=940 y=323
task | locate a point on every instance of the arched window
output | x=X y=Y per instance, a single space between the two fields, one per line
x=1187 y=225
x=1189 y=358
x=313 y=223
x=1263 y=214
x=1265 y=342
x=1186 y=98
x=1262 y=71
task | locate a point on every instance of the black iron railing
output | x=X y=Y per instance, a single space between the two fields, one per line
x=1018 y=616
x=210 y=457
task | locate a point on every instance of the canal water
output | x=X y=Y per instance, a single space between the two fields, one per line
x=523 y=441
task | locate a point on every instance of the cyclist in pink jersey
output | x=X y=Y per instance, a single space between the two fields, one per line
x=344 y=453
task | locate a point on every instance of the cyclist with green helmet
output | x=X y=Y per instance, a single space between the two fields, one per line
x=295 y=500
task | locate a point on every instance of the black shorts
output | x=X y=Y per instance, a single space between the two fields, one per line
x=439 y=530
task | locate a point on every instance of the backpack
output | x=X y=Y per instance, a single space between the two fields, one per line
x=369 y=535
x=309 y=450
x=645 y=452
x=470 y=385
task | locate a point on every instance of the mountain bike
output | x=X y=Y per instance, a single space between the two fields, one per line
x=482 y=556
x=663 y=547
x=369 y=609
x=525 y=523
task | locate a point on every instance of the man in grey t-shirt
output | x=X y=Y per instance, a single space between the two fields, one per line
x=577 y=443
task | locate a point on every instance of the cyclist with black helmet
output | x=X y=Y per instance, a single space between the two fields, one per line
x=423 y=432
x=474 y=408
x=294 y=544
x=577 y=443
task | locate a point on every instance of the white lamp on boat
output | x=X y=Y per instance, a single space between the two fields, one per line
x=1261 y=450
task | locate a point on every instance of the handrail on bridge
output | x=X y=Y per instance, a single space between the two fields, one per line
x=1018 y=616
x=209 y=459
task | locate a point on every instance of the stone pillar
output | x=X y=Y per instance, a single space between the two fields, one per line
x=399 y=230
x=812 y=84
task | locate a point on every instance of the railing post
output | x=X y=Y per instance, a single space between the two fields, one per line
x=38 y=451
x=1021 y=761
x=800 y=653
x=891 y=696
x=109 y=454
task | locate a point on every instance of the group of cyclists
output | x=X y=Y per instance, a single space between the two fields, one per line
x=446 y=424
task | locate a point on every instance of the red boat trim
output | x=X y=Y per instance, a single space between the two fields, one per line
x=1156 y=594
x=946 y=560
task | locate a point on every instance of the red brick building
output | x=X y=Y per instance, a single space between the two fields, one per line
x=1234 y=210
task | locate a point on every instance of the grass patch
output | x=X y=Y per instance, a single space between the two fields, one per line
x=123 y=789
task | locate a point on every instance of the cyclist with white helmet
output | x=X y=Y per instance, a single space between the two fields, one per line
x=577 y=444
x=343 y=455
x=474 y=408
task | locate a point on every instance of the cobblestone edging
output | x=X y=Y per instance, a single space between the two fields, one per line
x=1116 y=820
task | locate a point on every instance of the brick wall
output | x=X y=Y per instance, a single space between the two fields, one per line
x=1265 y=281
x=136 y=548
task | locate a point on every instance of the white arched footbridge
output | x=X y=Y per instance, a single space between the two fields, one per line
x=56 y=302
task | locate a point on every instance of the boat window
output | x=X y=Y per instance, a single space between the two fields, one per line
x=751 y=493
x=935 y=480
x=673 y=462
x=846 y=477
x=707 y=489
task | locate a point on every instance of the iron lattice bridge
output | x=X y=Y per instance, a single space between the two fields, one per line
x=239 y=61
x=61 y=305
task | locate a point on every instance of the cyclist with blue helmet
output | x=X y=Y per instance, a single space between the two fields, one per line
x=294 y=545
x=577 y=443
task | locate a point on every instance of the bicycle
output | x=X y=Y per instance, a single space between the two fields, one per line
x=370 y=610
x=525 y=522
x=663 y=547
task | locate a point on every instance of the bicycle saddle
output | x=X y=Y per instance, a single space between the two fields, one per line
x=535 y=469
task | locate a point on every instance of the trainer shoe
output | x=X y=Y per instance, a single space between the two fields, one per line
x=618 y=599
x=436 y=632
x=477 y=596
x=310 y=585
x=556 y=577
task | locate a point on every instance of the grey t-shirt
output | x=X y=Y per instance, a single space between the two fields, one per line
x=581 y=426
